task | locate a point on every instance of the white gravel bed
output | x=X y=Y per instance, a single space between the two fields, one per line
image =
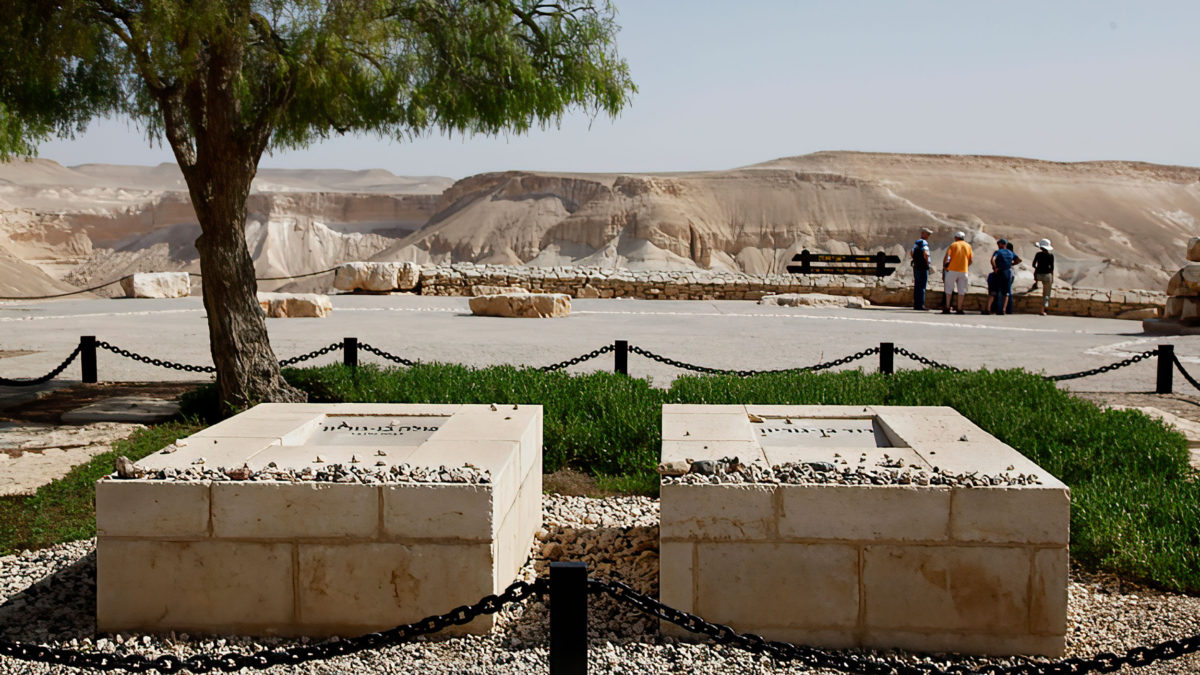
x=48 y=596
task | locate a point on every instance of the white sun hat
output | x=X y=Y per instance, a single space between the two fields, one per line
x=1045 y=243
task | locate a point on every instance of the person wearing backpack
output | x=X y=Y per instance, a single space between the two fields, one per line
x=920 y=264
x=1003 y=260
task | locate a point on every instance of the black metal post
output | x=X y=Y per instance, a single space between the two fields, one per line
x=1166 y=368
x=805 y=262
x=887 y=352
x=87 y=357
x=881 y=264
x=568 y=618
x=621 y=357
x=350 y=352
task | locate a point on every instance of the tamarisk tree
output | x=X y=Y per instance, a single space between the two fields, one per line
x=223 y=81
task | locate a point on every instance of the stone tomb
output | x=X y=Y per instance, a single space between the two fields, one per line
x=321 y=519
x=855 y=527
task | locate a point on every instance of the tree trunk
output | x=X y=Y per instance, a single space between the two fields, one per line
x=247 y=369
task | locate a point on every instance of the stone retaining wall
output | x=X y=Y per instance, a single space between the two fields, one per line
x=592 y=282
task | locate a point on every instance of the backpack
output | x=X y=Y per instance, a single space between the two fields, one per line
x=918 y=257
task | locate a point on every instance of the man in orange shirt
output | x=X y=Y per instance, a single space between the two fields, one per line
x=954 y=270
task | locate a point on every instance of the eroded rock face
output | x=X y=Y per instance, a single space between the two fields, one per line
x=293 y=305
x=523 y=306
x=377 y=276
x=157 y=285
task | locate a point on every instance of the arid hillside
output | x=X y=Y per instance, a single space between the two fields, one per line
x=1113 y=224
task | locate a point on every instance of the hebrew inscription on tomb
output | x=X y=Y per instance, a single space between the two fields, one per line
x=374 y=430
x=799 y=432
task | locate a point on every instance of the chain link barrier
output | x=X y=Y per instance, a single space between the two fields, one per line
x=331 y=347
x=747 y=373
x=386 y=355
x=1186 y=375
x=1104 y=369
x=1105 y=662
x=577 y=360
x=5 y=382
x=926 y=361
x=155 y=362
x=230 y=661
x=119 y=280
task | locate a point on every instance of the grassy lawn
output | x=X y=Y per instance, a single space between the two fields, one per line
x=1135 y=501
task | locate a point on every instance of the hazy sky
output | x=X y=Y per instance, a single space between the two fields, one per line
x=726 y=84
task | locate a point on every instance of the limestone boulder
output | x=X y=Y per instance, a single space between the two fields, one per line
x=1193 y=252
x=814 y=300
x=524 y=306
x=294 y=305
x=1183 y=308
x=483 y=289
x=157 y=285
x=1186 y=281
x=377 y=276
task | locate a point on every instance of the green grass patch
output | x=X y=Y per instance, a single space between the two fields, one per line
x=1135 y=502
x=65 y=510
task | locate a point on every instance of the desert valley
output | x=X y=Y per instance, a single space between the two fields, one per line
x=1114 y=225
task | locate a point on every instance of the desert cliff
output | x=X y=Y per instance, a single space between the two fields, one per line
x=1114 y=225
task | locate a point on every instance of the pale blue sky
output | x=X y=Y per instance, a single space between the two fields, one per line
x=726 y=84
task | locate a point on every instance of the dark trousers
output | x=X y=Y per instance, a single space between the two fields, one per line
x=1004 y=300
x=920 y=280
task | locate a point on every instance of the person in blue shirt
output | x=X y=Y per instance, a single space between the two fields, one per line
x=1002 y=263
x=920 y=264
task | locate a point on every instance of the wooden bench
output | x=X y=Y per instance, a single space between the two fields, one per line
x=837 y=263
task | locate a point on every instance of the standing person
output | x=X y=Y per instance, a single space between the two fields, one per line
x=1008 y=307
x=1003 y=260
x=920 y=264
x=954 y=270
x=1043 y=271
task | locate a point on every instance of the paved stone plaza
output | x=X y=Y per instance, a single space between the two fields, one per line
x=722 y=334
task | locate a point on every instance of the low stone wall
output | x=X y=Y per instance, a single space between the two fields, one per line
x=591 y=282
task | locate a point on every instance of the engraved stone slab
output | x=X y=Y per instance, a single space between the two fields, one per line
x=381 y=430
x=826 y=432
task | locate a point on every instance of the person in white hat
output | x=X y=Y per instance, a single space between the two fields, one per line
x=1043 y=272
x=954 y=271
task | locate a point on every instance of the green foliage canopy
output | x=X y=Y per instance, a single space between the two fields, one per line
x=285 y=73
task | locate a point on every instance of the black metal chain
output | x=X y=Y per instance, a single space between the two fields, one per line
x=331 y=347
x=1183 y=371
x=747 y=373
x=1104 y=369
x=155 y=362
x=4 y=381
x=853 y=663
x=386 y=355
x=926 y=361
x=229 y=662
x=577 y=360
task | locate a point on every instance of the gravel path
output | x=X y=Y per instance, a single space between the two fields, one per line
x=48 y=596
